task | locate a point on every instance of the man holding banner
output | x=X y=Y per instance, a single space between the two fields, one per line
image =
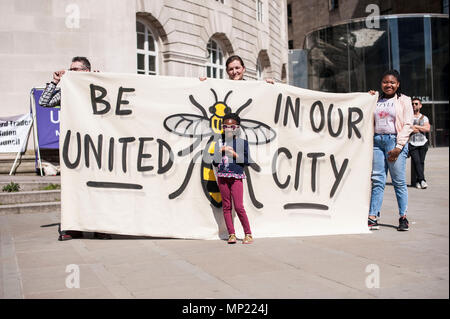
x=51 y=96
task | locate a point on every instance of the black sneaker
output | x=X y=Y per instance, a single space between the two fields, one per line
x=403 y=224
x=69 y=234
x=373 y=225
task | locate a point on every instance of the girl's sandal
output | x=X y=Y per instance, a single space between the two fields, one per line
x=232 y=239
x=248 y=239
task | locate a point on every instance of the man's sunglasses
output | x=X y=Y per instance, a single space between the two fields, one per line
x=77 y=69
x=415 y=103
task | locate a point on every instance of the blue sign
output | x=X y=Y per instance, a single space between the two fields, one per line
x=47 y=120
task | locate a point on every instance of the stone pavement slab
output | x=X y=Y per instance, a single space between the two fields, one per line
x=413 y=264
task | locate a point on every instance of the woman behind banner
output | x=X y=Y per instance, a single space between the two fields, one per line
x=393 y=123
x=236 y=69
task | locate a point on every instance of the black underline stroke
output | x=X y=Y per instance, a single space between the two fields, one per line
x=305 y=206
x=113 y=185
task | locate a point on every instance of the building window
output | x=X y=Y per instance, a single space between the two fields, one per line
x=289 y=13
x=262 y=65
x=259 y=10
x=214 y=67
x=333 y=4
x=259 y=70
x=147 y=56
x=445 y=6
x=283 y=73
x=291 y=44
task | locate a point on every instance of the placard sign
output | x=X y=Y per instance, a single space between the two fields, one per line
x=14 y=133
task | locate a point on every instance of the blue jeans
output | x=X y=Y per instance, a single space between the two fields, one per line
x=382 y=144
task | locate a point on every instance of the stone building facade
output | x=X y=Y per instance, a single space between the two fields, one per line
x=188 y=38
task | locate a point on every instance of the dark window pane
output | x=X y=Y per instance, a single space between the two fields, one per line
x=140 y=41
x=328 y=60
x=364 y=42
x=214 y=72
x=375 y=56
x=140 y=27
x=439 y=29
x=289 y=13
x=151 y=63
x=441 y=125
x=209 y=55
x=140 y=62
x=151 y=43
x=221 y=73
x=415 y=80
x=208 y=71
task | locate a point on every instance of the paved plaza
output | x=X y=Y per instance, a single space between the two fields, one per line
x=383 y=264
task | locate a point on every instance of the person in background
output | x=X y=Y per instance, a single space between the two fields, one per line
x=393 y=120
x=51 y=97
x=418 y=144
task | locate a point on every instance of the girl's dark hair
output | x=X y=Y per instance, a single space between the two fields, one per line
x=232 y=116
x=234 y=58
x=395 y=74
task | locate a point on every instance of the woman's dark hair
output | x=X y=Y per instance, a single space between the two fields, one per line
x=83 y=60
x=234 y=58
x=395 y=74
x=232 y=116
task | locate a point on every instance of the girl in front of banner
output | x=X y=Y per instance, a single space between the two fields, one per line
x=393 y=121
x=231 y=155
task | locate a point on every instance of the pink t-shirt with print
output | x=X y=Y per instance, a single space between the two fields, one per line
x=385 y=116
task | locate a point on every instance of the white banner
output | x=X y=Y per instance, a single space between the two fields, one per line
x=135 y=156
x=14 y=133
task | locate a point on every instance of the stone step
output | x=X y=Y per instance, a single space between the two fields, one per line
x=29 y=197
x=27 y=186
x=29 y=208
x=26 y=164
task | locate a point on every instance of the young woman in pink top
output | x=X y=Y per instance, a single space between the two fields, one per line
x=393 y=120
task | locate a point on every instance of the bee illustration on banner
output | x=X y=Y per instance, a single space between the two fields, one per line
x=203 y=126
